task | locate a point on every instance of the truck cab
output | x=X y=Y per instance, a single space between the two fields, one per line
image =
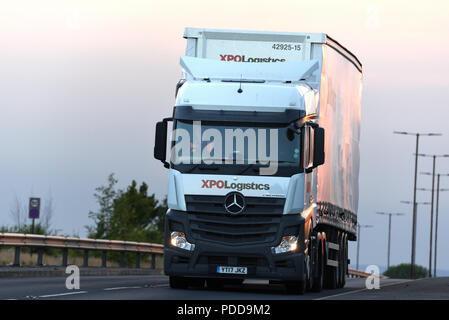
x=244 y=149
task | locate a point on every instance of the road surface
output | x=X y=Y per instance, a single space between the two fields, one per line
x=155 y=287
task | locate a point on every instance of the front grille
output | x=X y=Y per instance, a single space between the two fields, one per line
x=258 y=223
x=234 y=230
x=215 y=204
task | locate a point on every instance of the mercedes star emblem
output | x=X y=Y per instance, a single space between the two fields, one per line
x=234 y=203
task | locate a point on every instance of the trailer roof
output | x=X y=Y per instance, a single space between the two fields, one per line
x=226 y=34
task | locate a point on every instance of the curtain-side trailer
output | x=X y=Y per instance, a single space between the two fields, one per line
x=264 y=160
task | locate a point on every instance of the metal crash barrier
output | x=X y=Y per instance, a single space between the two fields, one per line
x=19 y=240
x=360 y=274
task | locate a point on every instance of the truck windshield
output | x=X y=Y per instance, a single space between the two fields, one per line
x=234 y=148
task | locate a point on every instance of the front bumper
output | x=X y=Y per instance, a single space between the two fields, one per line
x=256 y=255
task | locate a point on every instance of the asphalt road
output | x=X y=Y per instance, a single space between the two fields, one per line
x=155 y=287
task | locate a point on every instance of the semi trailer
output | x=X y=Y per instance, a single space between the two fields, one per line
x=263 y=160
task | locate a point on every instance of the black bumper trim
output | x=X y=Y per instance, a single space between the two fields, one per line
x=257 y=257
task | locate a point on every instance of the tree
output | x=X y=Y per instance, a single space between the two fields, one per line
x=130 y=214
x=105 y=196
x=402 y=271
x=47 y=212
x=18 y=212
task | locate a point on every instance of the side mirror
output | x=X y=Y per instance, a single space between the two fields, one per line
x=318 y=146
x=160 y=143
x=313 y=147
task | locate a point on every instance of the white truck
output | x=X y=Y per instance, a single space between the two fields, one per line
x=264 y=160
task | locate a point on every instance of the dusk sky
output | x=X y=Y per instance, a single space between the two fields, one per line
x=82 y=84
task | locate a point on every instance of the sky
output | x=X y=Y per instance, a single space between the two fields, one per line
x=82 y=84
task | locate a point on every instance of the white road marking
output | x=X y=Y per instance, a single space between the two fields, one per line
x=62 y=294
x=159 y=286
x=360 y=290
x=120 y=288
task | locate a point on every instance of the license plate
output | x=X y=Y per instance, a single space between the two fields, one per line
x=232 y=270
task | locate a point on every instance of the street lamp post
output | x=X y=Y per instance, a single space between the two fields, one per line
x=415 y=204
x=412 y=264
x=436 y=220
x=389 y=232
x=431 y=229
x=434 y=156
x=358 y=240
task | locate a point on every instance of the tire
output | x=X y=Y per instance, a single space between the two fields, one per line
x=178 y=283
x=345 y=260
x=318 y=279
x=330 y=275
x=341 y=253
x=339 y=259
x=310 y=262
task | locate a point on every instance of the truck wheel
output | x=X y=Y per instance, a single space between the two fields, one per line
x=309 y=277
x=340 y=259
x=318 y=279
x=345 y=260
x=330 y=275
x=311 y=261
x=178 y=283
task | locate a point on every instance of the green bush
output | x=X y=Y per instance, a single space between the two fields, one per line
x=131 y=215
x=402 y=271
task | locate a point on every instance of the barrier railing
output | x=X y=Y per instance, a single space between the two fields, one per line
x=360 y=274
x=19 y=240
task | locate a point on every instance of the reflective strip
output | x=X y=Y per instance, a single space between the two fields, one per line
x=333 y=246
x=332 y=263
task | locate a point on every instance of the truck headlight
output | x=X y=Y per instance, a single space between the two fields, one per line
x=178 y=239
x=288 y=244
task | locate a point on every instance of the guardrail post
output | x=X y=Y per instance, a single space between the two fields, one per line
x=138 y=260
x=122 y=259
x=40 y=253
x=17 y=257
x=103 y=259
x=65 y=255
x=86 y=258
x=153 y=261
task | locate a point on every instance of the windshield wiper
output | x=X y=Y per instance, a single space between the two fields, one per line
x=248 y=167
x=202 y=166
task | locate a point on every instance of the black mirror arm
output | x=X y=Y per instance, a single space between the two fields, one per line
x=166 y=164
x=161 y=141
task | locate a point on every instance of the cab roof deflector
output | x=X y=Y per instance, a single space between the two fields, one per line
x=199 y=69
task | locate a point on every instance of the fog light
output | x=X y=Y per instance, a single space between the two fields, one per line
x=288 y=244
x=178 y=239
